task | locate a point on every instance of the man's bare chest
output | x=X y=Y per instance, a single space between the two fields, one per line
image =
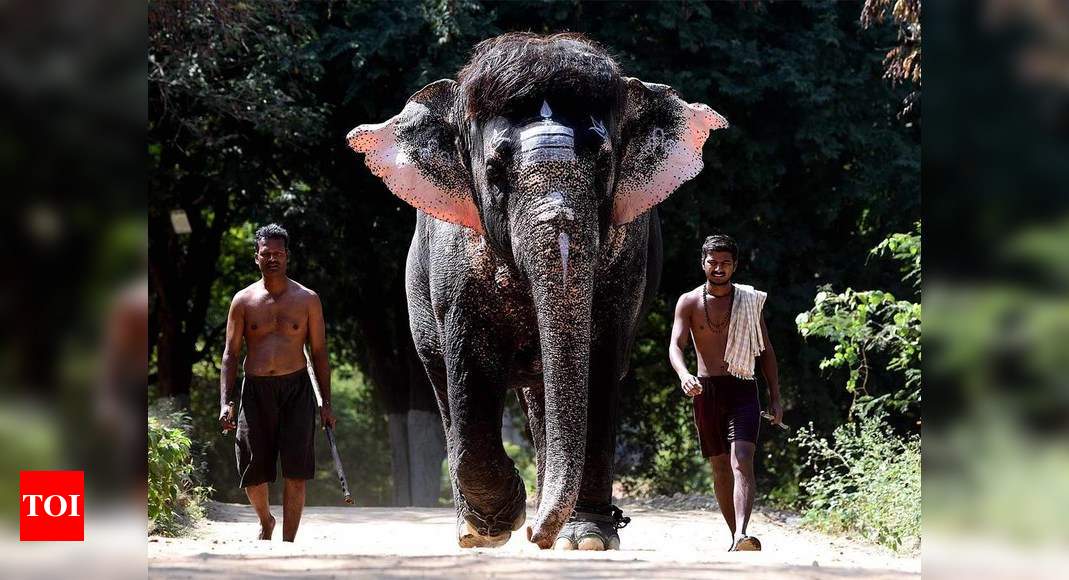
x=266 y=316
x=711 y=316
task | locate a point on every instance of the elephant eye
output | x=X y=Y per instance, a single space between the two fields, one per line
x=496 y=178
x=497 y=160
x=495 y=168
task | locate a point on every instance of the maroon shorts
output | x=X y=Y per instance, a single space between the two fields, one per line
x=727 y=410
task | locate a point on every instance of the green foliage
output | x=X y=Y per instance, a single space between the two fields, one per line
x=32 y=441
x=525 y=464
x=996 y=462
x=175 y=497
x=862 y=322
x=859 y=322
x=867 y=479
x=816 y=162
x=905 y=249
x=991 y=474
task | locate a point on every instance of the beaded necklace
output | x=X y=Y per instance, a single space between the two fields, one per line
x=720 y=324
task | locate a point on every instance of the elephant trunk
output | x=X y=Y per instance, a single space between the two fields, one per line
x=560 y=265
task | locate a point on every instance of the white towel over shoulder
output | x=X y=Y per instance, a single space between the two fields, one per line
x=745 y=340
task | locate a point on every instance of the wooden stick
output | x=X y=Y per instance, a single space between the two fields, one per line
x=330 y=432
x=769 y=416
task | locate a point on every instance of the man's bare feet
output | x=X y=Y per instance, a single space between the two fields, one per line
x=267 y=530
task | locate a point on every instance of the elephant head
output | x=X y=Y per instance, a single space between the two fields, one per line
x=542 y=147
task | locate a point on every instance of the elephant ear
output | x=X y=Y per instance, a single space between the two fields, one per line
x=662 y=140
x=415 y=153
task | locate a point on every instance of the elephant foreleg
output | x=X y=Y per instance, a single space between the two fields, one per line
x=489 y=493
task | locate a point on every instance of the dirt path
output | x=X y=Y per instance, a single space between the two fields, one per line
x=406 y=542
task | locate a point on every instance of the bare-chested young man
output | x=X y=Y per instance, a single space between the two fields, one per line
x=274 y=413
x=727 y=410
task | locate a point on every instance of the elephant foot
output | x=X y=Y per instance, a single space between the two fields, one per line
x=477 y=531
x=469 y=536
x=594 y=530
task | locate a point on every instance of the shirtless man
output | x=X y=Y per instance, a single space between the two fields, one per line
x=275 y=414
x=726 y=408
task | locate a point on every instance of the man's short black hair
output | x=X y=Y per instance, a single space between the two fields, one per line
x=720 y=243
x=272 y=232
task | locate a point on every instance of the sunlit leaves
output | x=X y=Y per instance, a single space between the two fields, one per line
x=859 y=323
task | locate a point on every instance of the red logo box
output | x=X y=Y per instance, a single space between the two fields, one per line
x=51 y=506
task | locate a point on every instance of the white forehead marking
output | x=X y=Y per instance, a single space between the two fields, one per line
x=562 y=242
x=599 y=128
x=546 y=140
x=499 y=136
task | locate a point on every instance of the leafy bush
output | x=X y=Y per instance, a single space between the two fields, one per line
x=861 y=323
x=866 y=480
x=175 y=498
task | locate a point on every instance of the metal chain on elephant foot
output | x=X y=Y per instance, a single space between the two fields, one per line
x=485 y=525
x=620 y=521
x=592 y=529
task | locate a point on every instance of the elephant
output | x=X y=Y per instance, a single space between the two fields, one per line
x=536 y=253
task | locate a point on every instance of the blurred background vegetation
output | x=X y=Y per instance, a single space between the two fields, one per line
x=996 y=409
x=249 y=104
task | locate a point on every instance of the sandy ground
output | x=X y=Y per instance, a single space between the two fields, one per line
x=420 y=542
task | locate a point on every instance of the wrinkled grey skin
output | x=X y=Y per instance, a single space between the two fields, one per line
x=542 y=295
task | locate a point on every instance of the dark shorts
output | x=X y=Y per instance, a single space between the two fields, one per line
x=276 y=418
x=727 y=410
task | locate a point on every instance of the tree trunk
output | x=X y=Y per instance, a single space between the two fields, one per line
x=417 y=442
x=181 y=273
x=397 y=427
x=426 y=450
x=426 y=438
